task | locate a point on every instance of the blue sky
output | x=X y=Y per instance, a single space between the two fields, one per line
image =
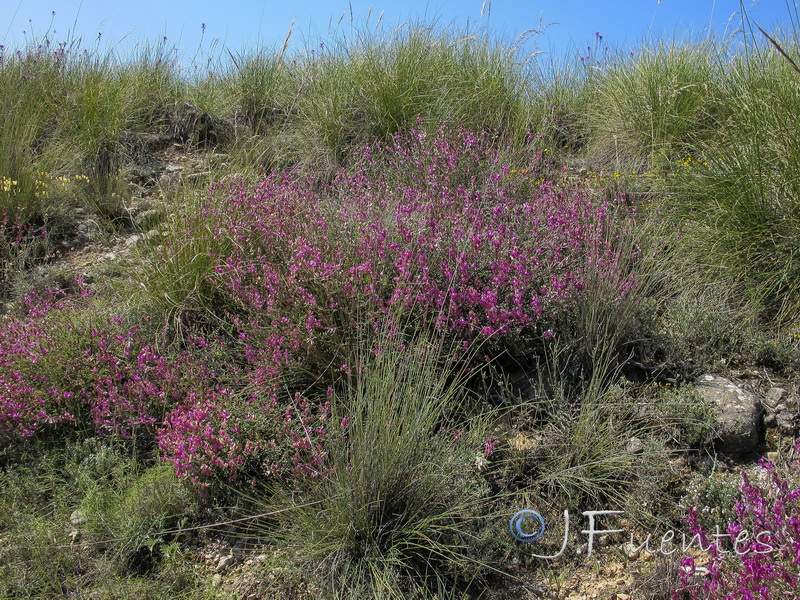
x=244 y=24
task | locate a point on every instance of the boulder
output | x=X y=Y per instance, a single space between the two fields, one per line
x=739 y=413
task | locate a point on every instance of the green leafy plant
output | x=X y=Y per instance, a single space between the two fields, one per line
x=129 y=523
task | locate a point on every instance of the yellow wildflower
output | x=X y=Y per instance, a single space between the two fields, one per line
x=7 y=184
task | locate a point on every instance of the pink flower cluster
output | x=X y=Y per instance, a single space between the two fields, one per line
x=214 y=434
x=56 y=372
x=762 y=562
x=29 y=398
x=432 y=230
x=56 y=369
x=198 y=437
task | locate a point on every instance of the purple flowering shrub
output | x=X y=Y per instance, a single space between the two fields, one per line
x=759 y=555
x=56 y=368
x=198 y=437
x=292 y=443
x=38 y=365
x=216 y=436
x=60 y=374
x=431 y=231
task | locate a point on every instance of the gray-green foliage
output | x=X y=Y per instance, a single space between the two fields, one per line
x=398 y=509
x=86 y=521
x=129 y=523
x=585 y=455
x=682 y=416
x=703 y=328
x=714 y=496
x=743 y=187
x=648 y=108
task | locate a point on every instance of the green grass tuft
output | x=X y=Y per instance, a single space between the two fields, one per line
x=397 y=513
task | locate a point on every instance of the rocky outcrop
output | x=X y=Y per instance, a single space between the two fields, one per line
x=739 y=413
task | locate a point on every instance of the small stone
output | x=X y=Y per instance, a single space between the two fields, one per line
x=786 y=422
x=623 y=597
x=225 y=562
x=631 y=551
x=77 y=518
x=635 y=446
x=773 y=457
x=775 y=396
x=216 y=580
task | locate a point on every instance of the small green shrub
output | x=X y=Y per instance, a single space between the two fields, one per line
x=714 y=496
x=585 y=458
x=174 y=277
x=37 y=561
x=39 y=557
x=680 y=415
x=779 y=353
x=701 y=329
x=129 y=523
